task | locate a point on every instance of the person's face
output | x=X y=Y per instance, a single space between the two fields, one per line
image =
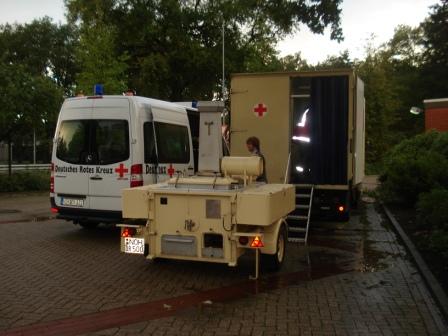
x=250 y=147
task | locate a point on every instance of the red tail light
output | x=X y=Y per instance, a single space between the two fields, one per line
x=54 y=210
x=127 y=232
x=243 y=240
x=52 y=178
x=136 y=175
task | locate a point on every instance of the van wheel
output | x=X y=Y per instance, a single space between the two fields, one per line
x=273 y=262
x=89 y=225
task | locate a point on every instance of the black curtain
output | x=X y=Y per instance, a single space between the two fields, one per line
x=329 y=123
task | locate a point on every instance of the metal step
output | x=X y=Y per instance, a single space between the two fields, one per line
x=296 y=229
x=302 y=206
x=296 y=240
x=297 y=217
x=303 y=195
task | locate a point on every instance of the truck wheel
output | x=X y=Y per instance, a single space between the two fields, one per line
x=273 y=262
x=354 y=197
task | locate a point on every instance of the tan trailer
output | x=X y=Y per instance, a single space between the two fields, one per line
x=312 y=132
x=210 y=218
x=214 y=216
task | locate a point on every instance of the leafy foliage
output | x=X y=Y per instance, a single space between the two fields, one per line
x=25 y=181
x=432 y=209
x=415 y=166
x=174 y=47
x=435 y=55
x=99 y=62
x=432 y=215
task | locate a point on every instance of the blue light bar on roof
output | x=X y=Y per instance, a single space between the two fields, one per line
x=98 y=89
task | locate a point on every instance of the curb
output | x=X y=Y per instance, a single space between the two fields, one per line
x=437 y=291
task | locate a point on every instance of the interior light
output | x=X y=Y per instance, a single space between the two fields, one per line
x=303 y=119
x=301 y=138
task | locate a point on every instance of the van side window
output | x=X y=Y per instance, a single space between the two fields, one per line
x=149 y=143
x=173 y=143
x=73 y=141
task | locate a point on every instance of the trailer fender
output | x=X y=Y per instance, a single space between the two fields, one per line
x=270 y=235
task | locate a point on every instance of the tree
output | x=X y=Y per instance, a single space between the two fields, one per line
x=27 y=103
x=392 y=85
x=340 y=61
x=174 y=47
x=435 y=55
x=42 y=48
x=98 y=61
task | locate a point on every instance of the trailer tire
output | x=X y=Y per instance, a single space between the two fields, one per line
x=273 y=262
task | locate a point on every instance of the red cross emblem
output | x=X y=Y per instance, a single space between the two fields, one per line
x=171 y=170
x=121 y=170
x=260 y=110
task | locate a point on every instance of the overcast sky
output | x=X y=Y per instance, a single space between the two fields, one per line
x=360 y=19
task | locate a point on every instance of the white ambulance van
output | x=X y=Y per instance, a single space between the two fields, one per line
x=103 y=144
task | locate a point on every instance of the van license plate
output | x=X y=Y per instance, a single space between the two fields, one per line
x=72 y=202
x=134 y=245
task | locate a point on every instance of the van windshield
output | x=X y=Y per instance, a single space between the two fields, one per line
x=93 y=141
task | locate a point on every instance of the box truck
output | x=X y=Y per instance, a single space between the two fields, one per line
x=311 y=127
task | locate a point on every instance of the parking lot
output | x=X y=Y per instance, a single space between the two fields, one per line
x=58 y=279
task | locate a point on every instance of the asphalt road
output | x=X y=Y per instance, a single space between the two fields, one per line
x=58 y=279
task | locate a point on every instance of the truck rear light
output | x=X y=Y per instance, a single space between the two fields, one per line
x=136 y=175
x=256 y=243
x=243 y=240
x=128 y=232
x=52 y=178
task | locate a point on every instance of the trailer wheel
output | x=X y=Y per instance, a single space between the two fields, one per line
x=273 y=262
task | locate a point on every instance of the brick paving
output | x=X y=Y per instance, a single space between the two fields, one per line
x=53 y=273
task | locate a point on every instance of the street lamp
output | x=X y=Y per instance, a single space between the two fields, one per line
x=416 y=110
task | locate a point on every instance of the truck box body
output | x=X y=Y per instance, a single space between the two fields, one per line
x=312 y=120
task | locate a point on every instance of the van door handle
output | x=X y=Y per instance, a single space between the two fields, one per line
x=96 y=178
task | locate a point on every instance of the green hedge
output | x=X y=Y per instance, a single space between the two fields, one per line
x=416 y=174
x=432 y=215
x=415 y=166
x=25 y=181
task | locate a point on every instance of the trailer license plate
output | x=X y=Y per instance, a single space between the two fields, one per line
x=72 y=202
x=134 y=245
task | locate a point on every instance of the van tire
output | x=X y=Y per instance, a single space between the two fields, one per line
x=89 y=225
x=273 y=262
